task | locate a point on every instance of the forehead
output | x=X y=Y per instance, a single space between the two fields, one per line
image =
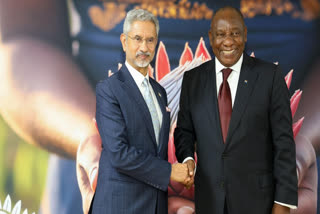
x=143 y=28
x=227 y=19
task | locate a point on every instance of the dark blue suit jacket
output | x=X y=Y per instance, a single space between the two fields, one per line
x=133 y=171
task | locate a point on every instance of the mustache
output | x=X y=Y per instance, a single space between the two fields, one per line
x=139 y=53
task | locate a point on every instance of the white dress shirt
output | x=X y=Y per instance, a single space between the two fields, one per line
x=138 y=78
x=233 y=80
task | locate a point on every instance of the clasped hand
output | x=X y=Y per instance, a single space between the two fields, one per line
x=183 y=173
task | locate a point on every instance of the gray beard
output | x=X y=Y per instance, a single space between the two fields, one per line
x=142 y=64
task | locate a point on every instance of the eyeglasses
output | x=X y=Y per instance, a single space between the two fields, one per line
x=138 y=40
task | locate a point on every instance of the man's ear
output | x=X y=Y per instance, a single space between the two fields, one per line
x=245 y=34
x=210 y=37
x=123 y=40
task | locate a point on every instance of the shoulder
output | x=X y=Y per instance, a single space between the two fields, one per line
x=268 y=72
x=259 y=63
x=108 y=83
x=200 y=70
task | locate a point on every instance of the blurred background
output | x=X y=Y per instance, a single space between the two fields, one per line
x=23 y=169
x=86 y=33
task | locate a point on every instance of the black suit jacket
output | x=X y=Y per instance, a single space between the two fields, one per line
x=256 y=166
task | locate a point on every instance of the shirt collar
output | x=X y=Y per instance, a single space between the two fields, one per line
x=137 y=76
x=236 y=67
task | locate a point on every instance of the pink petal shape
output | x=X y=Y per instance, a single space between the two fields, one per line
x=186 y=55
x=95 y=123
x=202 y=50
x=296 y=127
x=188 y=193
x=119 y=66
x=288 y=78
x=110 y=73
x=252 y=54
x=176 y=187
x=171 y=150
x=294 y=95
x=171 y=191
x=162 y=62
x=294 y=101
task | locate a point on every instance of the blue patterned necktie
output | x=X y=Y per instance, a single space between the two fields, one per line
x=152 y=108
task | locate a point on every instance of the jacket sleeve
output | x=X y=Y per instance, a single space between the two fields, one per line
x=184 y=136
x=284 y=159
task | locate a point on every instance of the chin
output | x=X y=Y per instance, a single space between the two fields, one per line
x=142 y=64
x=230 y=61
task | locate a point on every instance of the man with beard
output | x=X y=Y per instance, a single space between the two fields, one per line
x=133 y=120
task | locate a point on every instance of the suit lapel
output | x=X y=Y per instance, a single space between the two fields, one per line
x=162 y=104
x=133 y=91
x=246 y=84
x=210 y=93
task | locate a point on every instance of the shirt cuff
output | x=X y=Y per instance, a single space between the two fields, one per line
x=195 y=165
x=287 y=205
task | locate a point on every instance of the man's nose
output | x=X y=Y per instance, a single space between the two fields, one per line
x=144 y=46
x=228 y=41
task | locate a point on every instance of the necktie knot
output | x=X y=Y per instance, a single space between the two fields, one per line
x=226 y=72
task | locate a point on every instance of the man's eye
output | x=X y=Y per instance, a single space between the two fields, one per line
x=150 y=40
x=137 y=38
x=236 y=33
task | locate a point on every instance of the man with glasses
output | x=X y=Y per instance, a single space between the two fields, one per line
x=133 y=120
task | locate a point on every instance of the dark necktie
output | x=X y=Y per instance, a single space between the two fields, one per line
x=225 y=105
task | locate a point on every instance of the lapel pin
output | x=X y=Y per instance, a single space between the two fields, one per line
x=159 y=94
x=245 y=81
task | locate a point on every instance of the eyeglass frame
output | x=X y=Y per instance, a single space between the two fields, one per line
x=148 y=43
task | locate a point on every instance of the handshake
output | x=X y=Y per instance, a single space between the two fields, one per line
x=183 y=173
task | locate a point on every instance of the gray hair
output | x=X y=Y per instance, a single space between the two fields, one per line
x=139 y=15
